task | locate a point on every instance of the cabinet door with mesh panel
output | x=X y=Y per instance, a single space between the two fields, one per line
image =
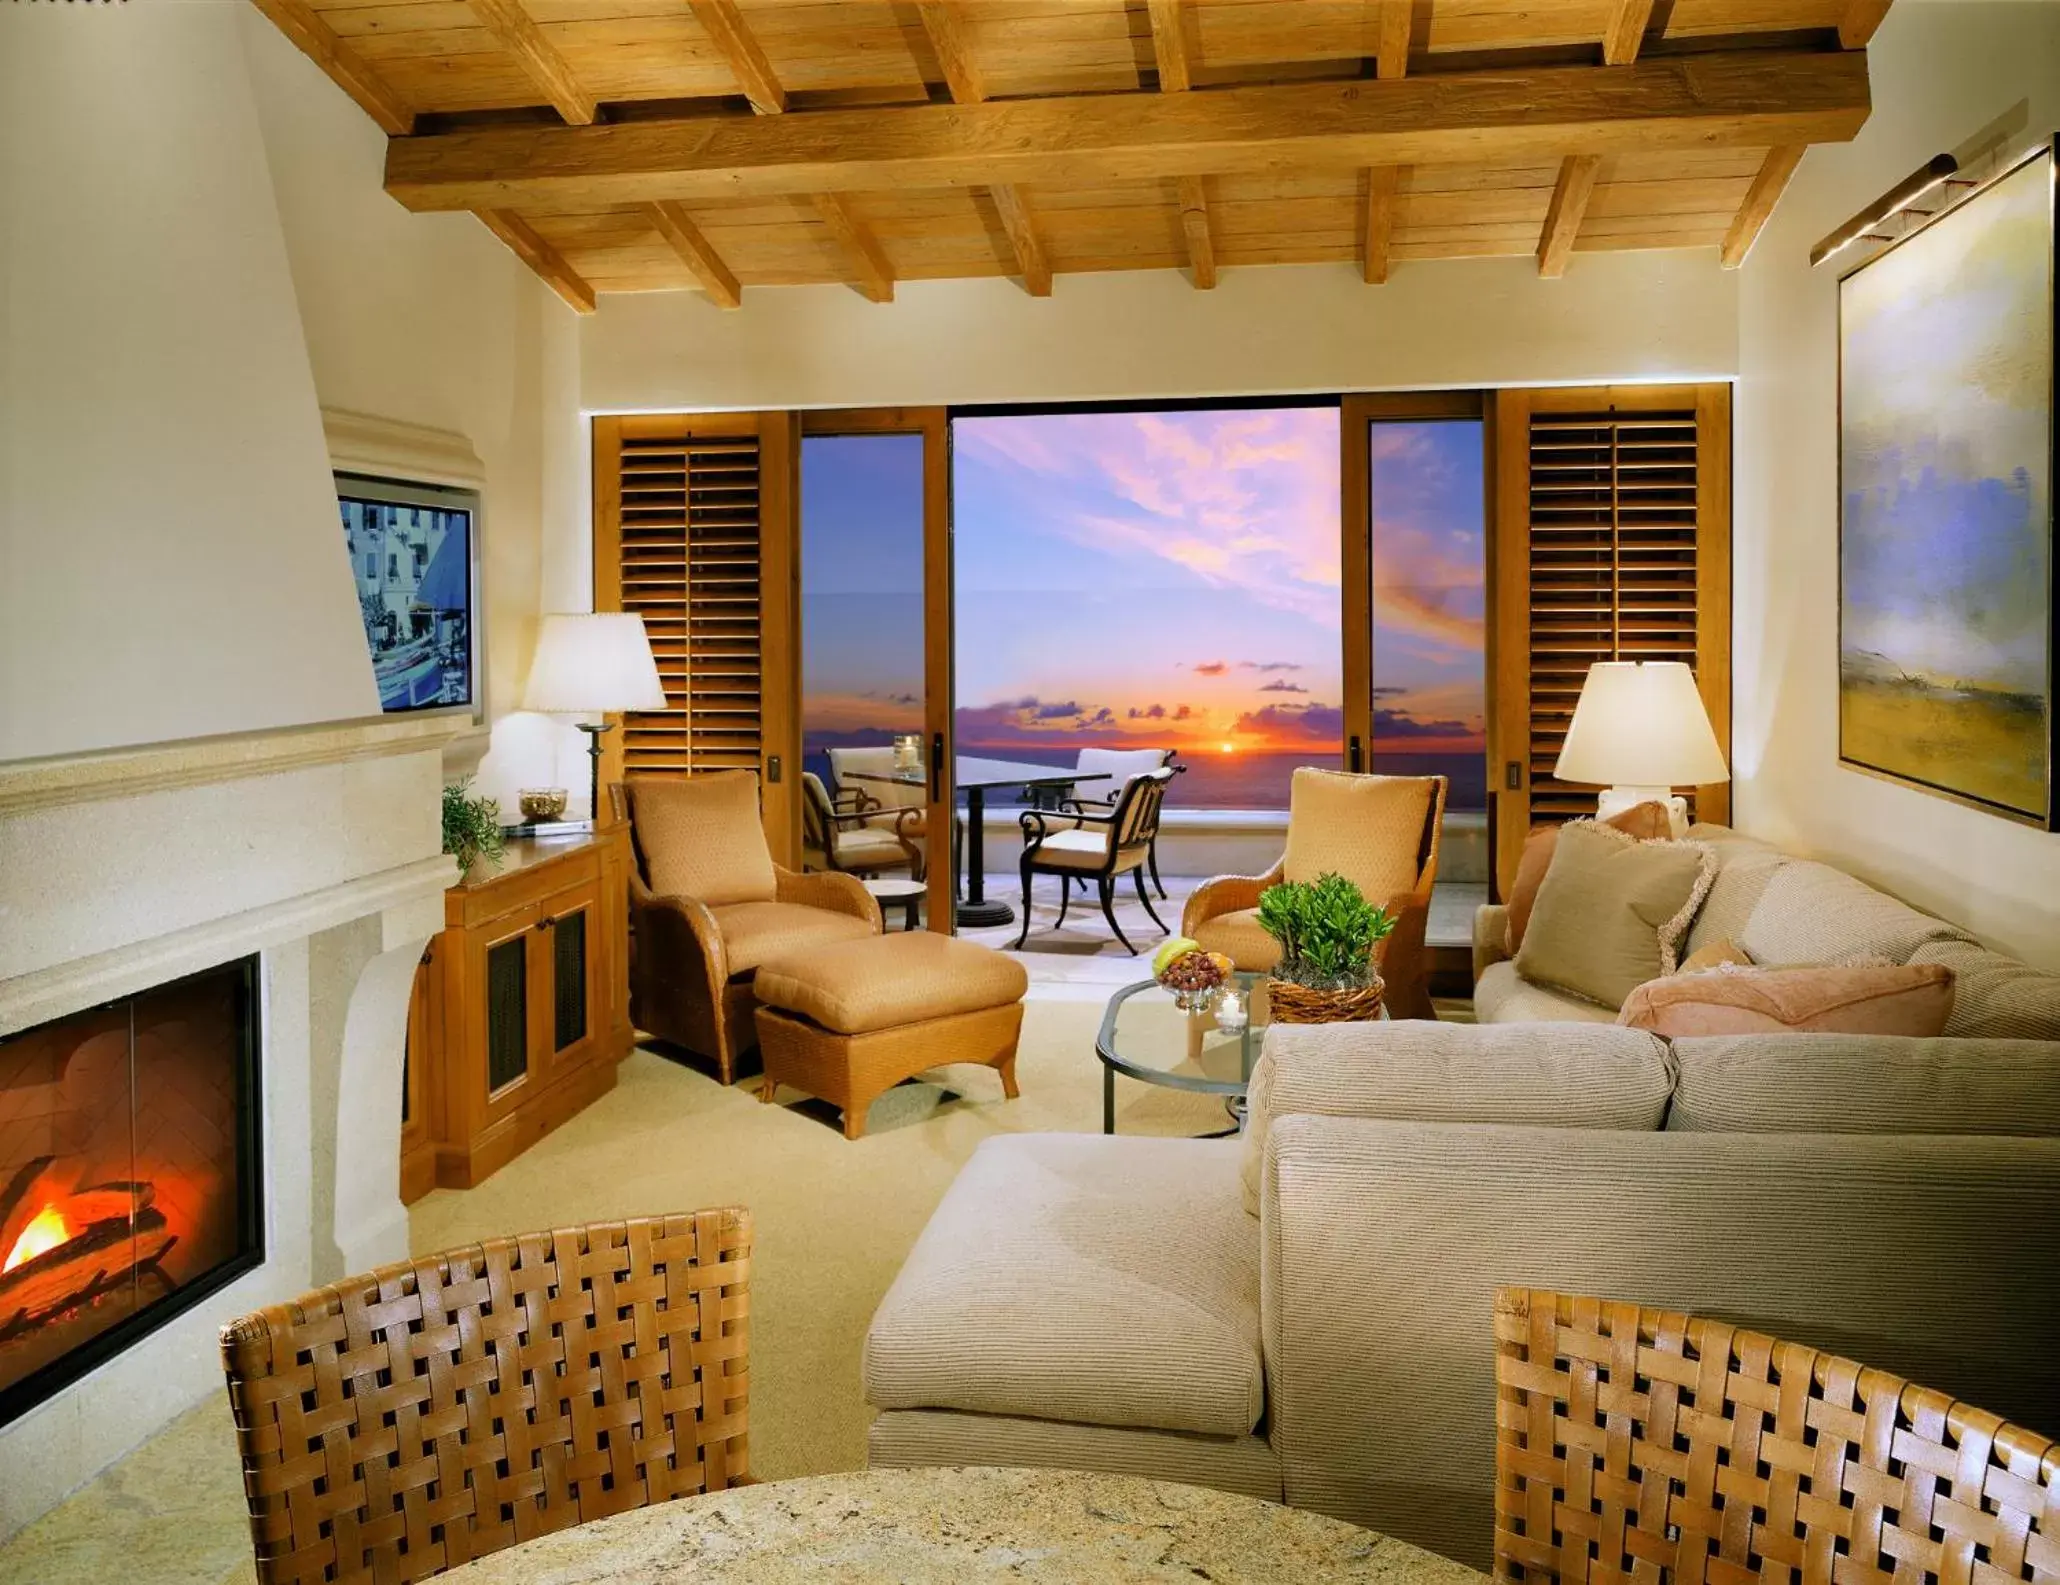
x=1613 y=542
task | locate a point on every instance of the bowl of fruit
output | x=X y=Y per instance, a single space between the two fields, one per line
x=1191 y=972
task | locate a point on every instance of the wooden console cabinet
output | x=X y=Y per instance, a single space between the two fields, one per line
x=521 y=1007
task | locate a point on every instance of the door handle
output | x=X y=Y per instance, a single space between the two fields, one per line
x=1352 y=755
x=936 y=767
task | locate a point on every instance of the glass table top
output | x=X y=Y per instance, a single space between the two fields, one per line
x=1146 y=1036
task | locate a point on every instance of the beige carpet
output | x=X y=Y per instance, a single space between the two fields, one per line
x=834 y=1221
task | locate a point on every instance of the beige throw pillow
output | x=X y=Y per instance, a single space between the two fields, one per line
x=700 y=837
x=1365 y=828
x=1648 y=822
x=1612 y=911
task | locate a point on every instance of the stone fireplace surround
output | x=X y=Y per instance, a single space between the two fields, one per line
x=317 y=848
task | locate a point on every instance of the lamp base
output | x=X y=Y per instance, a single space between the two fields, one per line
x=593 y=731
x=1613 y=801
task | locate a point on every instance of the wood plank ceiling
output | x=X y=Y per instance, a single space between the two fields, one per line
x=718 y=145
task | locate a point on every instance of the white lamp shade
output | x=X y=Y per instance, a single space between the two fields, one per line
x=595 y=662
x=1641 y=724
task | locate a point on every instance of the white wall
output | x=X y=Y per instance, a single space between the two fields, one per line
x=170 y=563
x=1262 y=331
x=1942 y=71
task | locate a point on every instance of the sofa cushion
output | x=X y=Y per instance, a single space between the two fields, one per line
x=1648 y=822
x=1885 y=999
x=1078 y=1277
x=1865 y=1084
x=1612 y=912
x=1995 y=997
x=752 y=933
x=1744 y=866
x=700 y=836
x=1239 y=936
x=1417 y=1071
x=1368 y=829
x=1811 y=913
x=1502 y=996
x=879 y=982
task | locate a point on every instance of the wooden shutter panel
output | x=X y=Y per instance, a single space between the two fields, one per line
x=1613 y=543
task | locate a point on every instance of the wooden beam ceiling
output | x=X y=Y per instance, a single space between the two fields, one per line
x=1194 y=223
x=1626 y=32
x=1744 y=99
x=1169 y=45
x=345 y=66
x=540 y=256
x=515 y=31
x=1861 y=18
x=1030 y=260
x=1577 y=174
x=870 y=270
x=1392 y=57
x=727 y=29
x=1760 y=200
x=678 y=228
x=1383 y=194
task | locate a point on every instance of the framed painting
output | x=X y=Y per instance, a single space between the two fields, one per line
x=1946 y=556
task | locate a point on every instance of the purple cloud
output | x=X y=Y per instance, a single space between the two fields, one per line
x=1283 y=687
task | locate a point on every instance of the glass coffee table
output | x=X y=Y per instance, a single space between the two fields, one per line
x=1144 y=1036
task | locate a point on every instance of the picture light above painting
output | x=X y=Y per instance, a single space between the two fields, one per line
x=1947 y=575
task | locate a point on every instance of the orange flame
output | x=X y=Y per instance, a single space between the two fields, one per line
x=46 y=1230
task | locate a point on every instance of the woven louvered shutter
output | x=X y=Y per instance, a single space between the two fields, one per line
x=1613 y=543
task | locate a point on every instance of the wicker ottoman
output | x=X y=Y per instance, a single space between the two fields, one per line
x=851 y=1020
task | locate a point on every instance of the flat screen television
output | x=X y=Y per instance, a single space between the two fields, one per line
x=413 y=552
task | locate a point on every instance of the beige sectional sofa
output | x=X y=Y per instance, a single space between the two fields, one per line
x=1110 y=1303
x=1785 y=910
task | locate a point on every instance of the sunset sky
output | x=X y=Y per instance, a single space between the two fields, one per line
x=1164 y=579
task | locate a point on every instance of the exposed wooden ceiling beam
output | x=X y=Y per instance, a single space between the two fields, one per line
x=345 y=66
x=516 y=32
x=942 y=22
x=1861 y=18
x=732 y=35
x=540 y=256
x=1760 y=199
x=1577 y=173
x=1169 y=45
x=678 y=228
x=1194 y=221
x=1031 y=262
x=870 y=271
x=1626 y=31
x=1383 y=191
x=1392 y=59
x=1747 y=99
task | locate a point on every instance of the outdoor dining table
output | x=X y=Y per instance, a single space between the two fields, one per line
x=945 y=1526
x=975 y=777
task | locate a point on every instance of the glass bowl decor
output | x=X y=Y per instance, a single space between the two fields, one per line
x=541 y=803
x=1327 y=932
x=1193 y=975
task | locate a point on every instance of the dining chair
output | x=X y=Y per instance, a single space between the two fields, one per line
x=1084 y=847
x=1379 y=832
x=1119 y=765
x=397 y=1424
x=840 y=834
x=1636 y=1445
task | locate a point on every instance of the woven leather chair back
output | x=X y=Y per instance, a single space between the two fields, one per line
x=1641 y=1446
x=400 y=1423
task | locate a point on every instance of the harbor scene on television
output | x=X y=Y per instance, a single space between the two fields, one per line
x=413 y=566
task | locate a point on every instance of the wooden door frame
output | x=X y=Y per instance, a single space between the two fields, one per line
x=934 y=425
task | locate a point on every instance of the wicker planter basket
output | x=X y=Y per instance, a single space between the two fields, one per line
x=1298 y=1004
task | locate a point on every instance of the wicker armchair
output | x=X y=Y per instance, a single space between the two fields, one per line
x=1635 y=1444
x=1379 y=831
x=1083 y=847
x=844 y=833
x=400 y=1423
x=707 y=905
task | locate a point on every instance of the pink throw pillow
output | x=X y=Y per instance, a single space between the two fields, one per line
x=1890 y=999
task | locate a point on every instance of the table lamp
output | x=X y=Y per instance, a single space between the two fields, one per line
x=589 y=664
x=1640 y=729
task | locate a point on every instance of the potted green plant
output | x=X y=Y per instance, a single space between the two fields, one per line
x=471 y=826
x=1327 y=932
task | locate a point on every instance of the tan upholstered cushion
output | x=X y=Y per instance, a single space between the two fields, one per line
x=700 y=836
x=1744 y=866
x=1648 y=822
x=1889 y=999
x=1502 y=996
x=1811 y=913
x=1995 y=997
x=1612 y=912
x=753 y=933
x=883 y=982
x=1078 y=1277
x=1714 y=956
x=1865 y=1084
x=1239 y=937
x=1368 y=829
x=1080 y=848
x=858 y=847
x=1412 y=1070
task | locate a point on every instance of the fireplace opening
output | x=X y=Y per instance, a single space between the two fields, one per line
x=129 y=1173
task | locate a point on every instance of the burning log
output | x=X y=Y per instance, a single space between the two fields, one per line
x=107 y=1233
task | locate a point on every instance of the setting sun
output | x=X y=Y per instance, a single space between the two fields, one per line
x=1229 y=748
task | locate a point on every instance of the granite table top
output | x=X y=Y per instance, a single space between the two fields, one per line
x=919 y=1526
